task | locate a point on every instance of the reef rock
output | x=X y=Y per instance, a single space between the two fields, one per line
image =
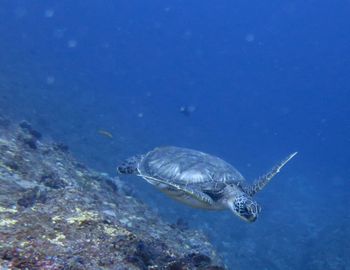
x=57 y=214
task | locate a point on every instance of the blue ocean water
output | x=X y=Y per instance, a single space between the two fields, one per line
x=258 y=80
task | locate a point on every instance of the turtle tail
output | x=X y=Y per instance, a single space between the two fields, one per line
x=130 y=165
x=266 y=178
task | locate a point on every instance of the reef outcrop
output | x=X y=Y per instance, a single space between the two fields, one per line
x=55 y=213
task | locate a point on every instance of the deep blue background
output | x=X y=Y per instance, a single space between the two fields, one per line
x=266 y=78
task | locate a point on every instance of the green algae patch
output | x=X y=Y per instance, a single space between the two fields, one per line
x=82 y=217
x=115 y=230
x=7 y=222
x=58 y=239
x=56 y=219
x=7 y=210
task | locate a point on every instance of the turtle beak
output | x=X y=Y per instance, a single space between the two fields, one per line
x=251 y=219
x=248 y=217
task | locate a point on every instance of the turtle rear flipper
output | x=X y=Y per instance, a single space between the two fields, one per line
x=265 y=179
x=130 y=166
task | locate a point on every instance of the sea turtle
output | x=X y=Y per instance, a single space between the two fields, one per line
x=199 y=179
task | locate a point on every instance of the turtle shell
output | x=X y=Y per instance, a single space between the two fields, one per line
x=182 y=166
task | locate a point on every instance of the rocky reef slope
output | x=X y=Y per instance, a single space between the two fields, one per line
x=57 y=214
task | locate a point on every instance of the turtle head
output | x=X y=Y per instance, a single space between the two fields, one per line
x=129 y=166
x=244 y=207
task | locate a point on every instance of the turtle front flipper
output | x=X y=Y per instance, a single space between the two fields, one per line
x=130 y=166
x=265 y=179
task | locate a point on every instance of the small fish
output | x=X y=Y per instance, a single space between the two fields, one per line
x=105 y=133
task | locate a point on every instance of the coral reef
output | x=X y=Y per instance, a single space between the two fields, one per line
x=57 y=214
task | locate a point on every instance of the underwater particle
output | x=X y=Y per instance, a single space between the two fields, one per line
x=140 y=115
x=72 y=43
x=105 y=133
x=59 y=33
x=187 y=109
x=105 y=45
x=187 y=34
x=50 y=80
x=49 y=13
x=20 y=12
x=249 y=37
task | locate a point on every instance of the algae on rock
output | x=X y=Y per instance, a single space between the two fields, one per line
x=57 y=214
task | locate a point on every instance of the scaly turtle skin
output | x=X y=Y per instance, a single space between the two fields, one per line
x=199 y=179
